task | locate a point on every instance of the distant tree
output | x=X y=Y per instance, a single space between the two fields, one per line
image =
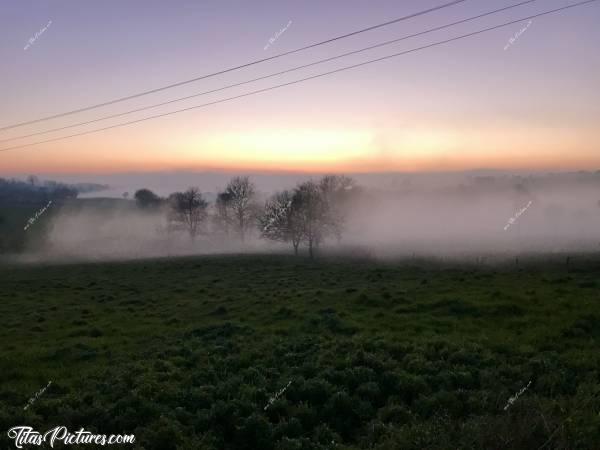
x=223 y=217
x=2 y=244
x=312 y=213
x=34 y=191
x=189 y=209
x=145 y=198
x=63 y=191
x=56 y=190
x=33 y=180
x=125 y=195
x=337 y=191
x=281 y=220
x=240 y=197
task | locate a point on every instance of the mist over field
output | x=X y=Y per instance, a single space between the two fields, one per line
x=447 y=216
x=122 y=232
x=461 y=221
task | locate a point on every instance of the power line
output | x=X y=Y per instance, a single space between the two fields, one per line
x=311 y=77
x=231 y=69
x=382 y=44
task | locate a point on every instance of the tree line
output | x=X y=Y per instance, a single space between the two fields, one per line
x=35 y=191
x=305 y=215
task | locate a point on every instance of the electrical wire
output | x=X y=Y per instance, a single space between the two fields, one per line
x=382 y=44
x=413 y=50
x=231 y=69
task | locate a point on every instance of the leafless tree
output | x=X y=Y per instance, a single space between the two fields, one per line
x=281 y=220
x=189 y=210
x=312 y=213
x=337 y=193
x=33 y=180
x=223 y=217
x=240 y=196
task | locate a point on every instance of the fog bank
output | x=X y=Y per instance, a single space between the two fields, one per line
x=447 y=217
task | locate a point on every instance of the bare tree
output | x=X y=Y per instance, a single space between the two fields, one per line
x=281 y=220
x=337 y=192
x=240 y=197
x=33 y=180
x=222 y=219
x=308 y=199
x=189 y=209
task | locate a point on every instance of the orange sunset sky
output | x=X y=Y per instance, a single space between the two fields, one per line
x=463 y=105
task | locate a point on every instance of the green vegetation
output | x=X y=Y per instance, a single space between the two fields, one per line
x=14 y=217
x=186 y=353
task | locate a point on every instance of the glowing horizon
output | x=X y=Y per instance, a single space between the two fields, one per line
x=476 y=103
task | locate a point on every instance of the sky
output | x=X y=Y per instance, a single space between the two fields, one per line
x=480 y=102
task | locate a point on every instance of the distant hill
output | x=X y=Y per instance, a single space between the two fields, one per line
x=85 y=188
x=21 y=200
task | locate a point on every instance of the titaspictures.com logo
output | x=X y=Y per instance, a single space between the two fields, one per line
x=24 y=435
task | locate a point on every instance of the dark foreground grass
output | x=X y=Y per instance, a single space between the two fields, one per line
x=187 y=353
x=14 y=217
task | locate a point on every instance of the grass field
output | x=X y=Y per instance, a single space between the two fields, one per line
x=187 y=353
x=14 y=217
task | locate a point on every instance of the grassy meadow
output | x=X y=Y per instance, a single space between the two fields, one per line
x=277 y=352
x=14 y=217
